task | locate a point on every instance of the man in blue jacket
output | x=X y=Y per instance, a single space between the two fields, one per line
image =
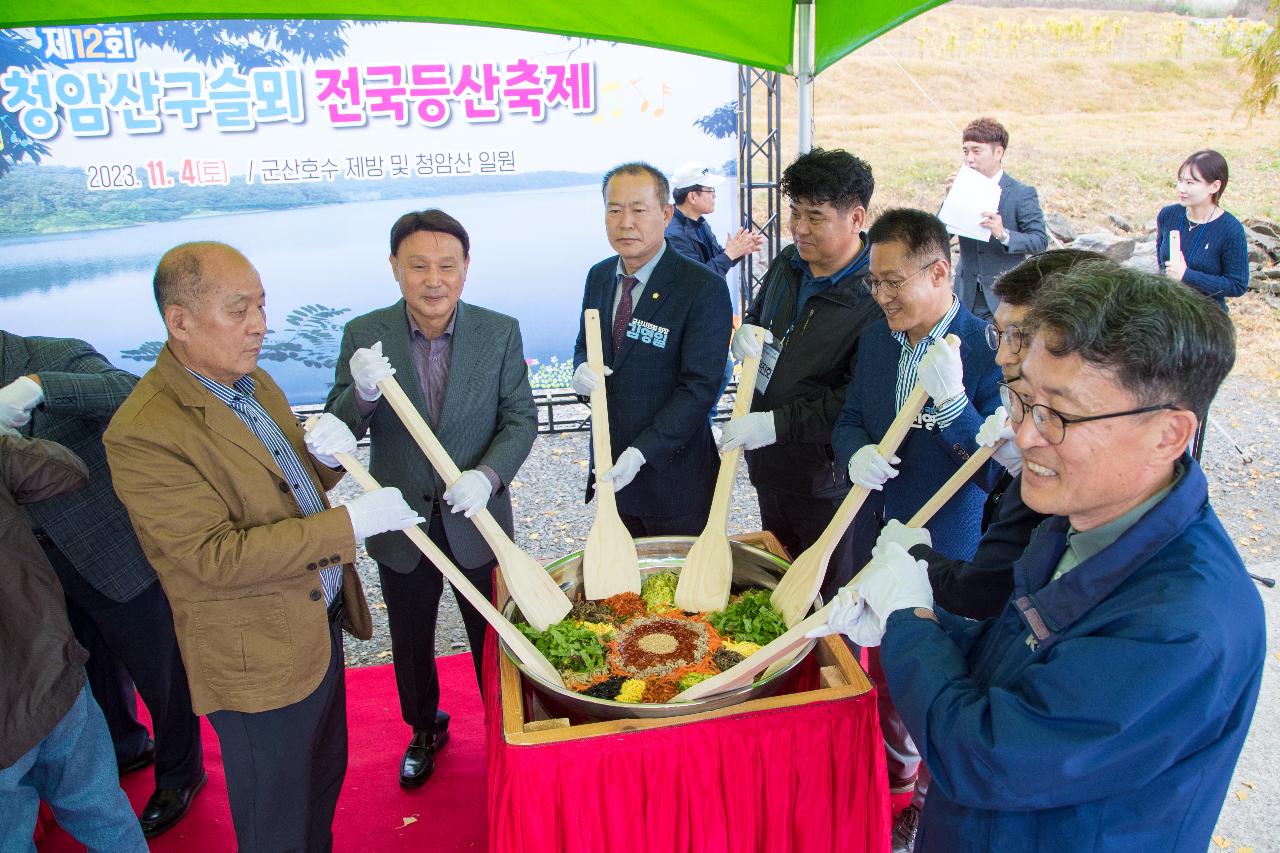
x=665 y=324
x=911 y=281
x=1105 y=707
x=693 y=188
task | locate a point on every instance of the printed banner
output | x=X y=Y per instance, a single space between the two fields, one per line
x=300 y=143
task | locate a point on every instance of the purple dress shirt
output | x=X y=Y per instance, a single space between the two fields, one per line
x=431 y=360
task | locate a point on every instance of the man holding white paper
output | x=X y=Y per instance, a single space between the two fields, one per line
x=1013 y=224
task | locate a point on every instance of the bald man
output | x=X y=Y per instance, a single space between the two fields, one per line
x=228 y=501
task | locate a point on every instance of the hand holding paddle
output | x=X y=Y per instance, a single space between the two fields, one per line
x=541 y=601
x=517 y=642
x=781 y=649
x=707 y=574
x=799 y=586
x=609 y=562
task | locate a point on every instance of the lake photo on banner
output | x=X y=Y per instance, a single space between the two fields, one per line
x=530 y=252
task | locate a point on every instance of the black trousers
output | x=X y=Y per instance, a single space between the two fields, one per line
x=413 y=604
x=798 y=522
x=130 y=644
x=666 y=525
x=285 y=767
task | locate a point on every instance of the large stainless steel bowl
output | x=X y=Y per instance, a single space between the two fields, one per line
x=752 y=567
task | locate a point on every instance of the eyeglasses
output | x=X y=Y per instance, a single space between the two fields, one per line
x=1053 y=424
x=872 y=285
x=1015 y=336
x=707 y=190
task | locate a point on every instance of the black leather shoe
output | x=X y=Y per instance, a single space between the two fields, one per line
x=167 y=806
x=143 y=759
x=420 y=758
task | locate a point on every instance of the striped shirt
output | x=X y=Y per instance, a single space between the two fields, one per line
x=239 y=397
x=909 y=361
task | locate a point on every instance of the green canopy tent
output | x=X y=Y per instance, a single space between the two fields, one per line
x=797 y=37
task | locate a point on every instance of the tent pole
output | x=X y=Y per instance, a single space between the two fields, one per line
x=804 y=76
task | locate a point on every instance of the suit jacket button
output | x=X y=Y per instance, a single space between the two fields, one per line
x=311 y=567
x=323 y=562
x=284 y=487
x=335 y=559
x=315 y=595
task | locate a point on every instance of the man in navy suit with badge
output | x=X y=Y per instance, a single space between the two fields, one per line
x=665 y=325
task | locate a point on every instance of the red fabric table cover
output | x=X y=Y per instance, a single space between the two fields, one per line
x=805 y=778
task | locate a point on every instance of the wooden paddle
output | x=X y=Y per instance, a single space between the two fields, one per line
x=707 y=574
x=786 y=645
x=541 y=601
x=517 y=642
x=795 y=594
x=609 y=562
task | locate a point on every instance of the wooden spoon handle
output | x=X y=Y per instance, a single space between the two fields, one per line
x=954 y=483
x=519 y=643
x=601 y=442
x=426 y=439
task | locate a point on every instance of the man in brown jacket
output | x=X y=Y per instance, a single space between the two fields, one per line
x=54 y=743
x=229 y=506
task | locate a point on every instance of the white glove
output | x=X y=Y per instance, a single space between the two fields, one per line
x=894 y=580
x=941 y=372
x=897 y=533
x=744 y=342
x=379 y=511
x=850 y=615
x=996 y=428
x=17 y=399
x=327 y=437
x=585 y=380
x=867 y=468
x=369 y=367
x=752 y=430
x=625 y=469
x=469 y=493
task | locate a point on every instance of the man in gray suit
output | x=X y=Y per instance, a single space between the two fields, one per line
x=1017 y=228
x=62 y=390
x=463 y=367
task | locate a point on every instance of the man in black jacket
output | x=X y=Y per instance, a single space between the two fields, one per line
x=812 y=305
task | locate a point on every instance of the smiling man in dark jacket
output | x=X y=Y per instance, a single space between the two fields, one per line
x=813 y=305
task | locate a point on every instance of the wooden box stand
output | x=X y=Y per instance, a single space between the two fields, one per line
x=525 y=723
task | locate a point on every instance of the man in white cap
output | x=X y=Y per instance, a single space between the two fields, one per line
x=693 y=188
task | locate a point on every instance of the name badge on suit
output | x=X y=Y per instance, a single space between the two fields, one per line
x=648 y=333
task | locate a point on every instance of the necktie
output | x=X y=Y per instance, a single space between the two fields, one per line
x=622 y=317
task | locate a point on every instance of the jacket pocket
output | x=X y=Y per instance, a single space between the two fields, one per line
x=244 y=643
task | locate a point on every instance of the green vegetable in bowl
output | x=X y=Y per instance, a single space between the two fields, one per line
x=750 y=618
x=691 y=678
x=659 y=592
x=567 y=646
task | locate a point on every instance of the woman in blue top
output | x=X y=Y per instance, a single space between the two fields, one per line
x=1215 y=256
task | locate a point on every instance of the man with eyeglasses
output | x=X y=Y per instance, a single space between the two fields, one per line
x=911 y=282
x=1106 y=705
x=693 y=187
x=812 y=306
x=978 y=588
